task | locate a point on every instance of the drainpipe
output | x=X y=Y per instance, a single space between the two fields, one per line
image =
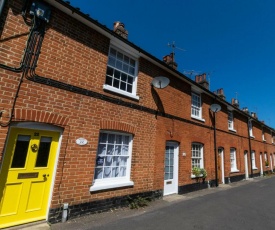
x=249 y=146
x=2 y=4
x=65 y=212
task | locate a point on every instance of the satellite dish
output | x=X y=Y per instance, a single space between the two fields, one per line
x=160 y=82
x=215 y=108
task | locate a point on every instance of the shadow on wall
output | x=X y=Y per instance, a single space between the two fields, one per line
x=157 y=101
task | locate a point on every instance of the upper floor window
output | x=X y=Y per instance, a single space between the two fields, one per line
x=263 y=136
x=197 y=155
x=233 y=159
x=250 y=127
x=230 y=120
x=121 y=74
x=113 y=161
x=196 y=109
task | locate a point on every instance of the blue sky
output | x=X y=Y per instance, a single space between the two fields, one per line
x=233 y=41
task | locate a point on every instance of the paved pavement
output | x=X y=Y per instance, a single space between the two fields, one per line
x=164 y=213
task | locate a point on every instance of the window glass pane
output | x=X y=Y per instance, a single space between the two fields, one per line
x=101 y=150
x=98 y=173
x=43 y=152
x=20 y=152
x=119 y=65
x=123 y=77
x=116 y=83
x=123 y=86
x=129 y=88
x=113 y=52
x=119 y=56
x=126 y=59
x=132 y=62
x=111 y=61
x=103 y=138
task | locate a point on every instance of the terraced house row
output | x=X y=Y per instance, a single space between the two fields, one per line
x=88 y=119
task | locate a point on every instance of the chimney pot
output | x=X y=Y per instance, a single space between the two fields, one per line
x=201 y=79
x=120 y=30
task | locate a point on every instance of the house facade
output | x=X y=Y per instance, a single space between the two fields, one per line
x=88 y=119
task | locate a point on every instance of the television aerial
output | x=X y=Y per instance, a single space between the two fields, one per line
x=173 y=46
x=160 y=82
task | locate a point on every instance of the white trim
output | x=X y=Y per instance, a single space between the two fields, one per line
x=234 y=170
x=197 y=118
x=118 y=184
x=116 y=90
x=232 y=130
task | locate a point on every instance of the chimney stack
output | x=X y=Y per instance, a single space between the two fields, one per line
x=201 y=79
x=120 y=30
x=235 y=102
x=254 y=115
x=220 y=93
x=170 y=60
x=245 y=109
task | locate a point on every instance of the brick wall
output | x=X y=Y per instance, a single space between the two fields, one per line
x=76 y=55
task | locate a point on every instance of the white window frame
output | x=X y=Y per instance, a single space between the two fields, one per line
x=233 y=160
x=250 y=127
x=231 y=121
x=197 y=154
x=114 y=182
x=196 y=106
x=263 y=136
x=134 y=75
x=253 y=159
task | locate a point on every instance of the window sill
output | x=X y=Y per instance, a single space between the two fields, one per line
x=251 y=136
x=255 y=168
x=232 y=130
x=115 y=90
x=264 y=140
x=234 y=170
x=97 y=187
x=198 y=118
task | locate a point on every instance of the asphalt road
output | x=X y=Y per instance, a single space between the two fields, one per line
x=245 y=205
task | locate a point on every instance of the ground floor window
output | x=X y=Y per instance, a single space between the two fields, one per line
x=113 y=161
x=197 y=155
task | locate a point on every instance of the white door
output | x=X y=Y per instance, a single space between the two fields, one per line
x=261 y=164
x=221 y=165
x=246 y=165
x=171 y=168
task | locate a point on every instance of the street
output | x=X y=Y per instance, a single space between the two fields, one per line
x=242 y=205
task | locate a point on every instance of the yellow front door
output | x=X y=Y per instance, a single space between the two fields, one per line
x=26 y=175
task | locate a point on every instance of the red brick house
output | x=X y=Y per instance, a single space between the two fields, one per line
x=82 y=126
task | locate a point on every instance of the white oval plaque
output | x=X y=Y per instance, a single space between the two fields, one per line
x=81 y=141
